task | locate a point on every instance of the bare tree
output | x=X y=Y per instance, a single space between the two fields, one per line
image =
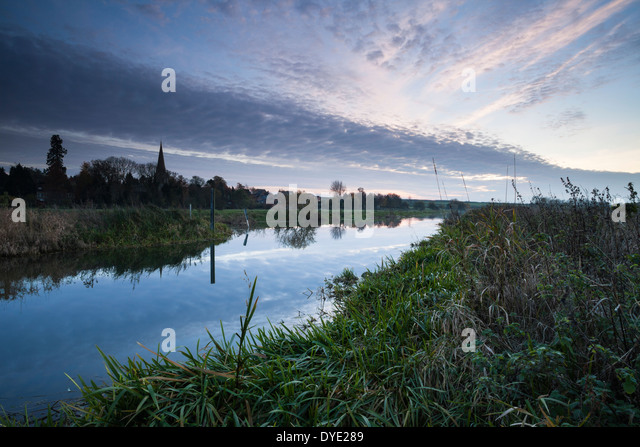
x=120 y=167
x=146 y=170
x=337 y=187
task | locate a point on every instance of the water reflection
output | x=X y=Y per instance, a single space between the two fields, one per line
x=26 y=276
x=213 y=262
x=338 y=232
x=295 y=237
x=56 y=309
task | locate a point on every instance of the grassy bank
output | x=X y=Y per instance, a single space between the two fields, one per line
x=48 y=231
x=551 y=289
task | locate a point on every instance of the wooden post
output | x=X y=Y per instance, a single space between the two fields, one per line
x=212 y=199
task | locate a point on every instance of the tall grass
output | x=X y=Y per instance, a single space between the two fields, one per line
x=47 y=231
x=43 y=231
x=551 y=289
x=556 y=288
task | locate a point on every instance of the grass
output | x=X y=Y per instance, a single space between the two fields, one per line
x=48 y=231
x=551 y=289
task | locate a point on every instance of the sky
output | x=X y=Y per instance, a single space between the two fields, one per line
x=303 y=92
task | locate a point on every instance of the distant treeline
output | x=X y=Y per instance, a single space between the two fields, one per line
x=119 y=181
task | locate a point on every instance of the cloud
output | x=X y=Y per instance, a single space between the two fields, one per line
x=226 y=7
x=152 y=10
x=325 y=86
x=570 y=118
x=374 y=56
x=93 y=96
x=546 y=54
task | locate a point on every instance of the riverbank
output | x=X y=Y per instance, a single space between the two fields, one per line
x=67 y=230
x=549 y=289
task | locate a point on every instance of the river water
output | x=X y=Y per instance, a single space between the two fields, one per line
x=56 y=310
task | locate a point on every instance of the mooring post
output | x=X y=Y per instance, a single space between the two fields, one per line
x=212 y=198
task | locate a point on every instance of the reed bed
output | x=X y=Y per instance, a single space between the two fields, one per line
x=50 y=231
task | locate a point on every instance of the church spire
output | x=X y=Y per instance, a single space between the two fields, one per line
x=161 y=170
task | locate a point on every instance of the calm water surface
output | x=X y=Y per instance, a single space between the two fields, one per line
x=55 y=310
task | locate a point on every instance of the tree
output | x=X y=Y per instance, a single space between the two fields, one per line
x=337 y=187
x=197 y=181
x=20 y=182
x=120 y=167
x=56 y=182
x=4 y=179
x=84 y=184
x=146 y=171
x=222 y=192
x=55 y=155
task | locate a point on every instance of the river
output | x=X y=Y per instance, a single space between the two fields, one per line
x=57 y=309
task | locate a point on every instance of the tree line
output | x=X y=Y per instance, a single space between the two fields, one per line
x=120 y=181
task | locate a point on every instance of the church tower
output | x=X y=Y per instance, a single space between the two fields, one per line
x=161 y=170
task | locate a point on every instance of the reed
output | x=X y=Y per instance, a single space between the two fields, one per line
x=49 y=231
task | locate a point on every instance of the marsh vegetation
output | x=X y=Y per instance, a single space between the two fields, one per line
x=552 y=289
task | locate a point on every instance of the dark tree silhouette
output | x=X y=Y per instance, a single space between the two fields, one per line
x=20 y=182
x=56 y=155
x=4 y=179
x=56 y=181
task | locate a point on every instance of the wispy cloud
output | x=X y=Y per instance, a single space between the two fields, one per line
x=543 y=66
x=571 y=119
